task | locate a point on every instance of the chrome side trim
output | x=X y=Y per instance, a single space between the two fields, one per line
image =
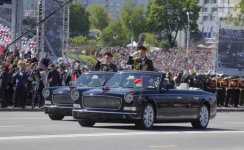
x=105 y=112
x=55 y=106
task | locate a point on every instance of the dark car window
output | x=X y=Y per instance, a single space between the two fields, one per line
x=93 y=80
x=134 y=80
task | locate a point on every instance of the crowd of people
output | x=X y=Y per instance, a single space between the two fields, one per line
x=174 y=60
x=23 y=77
x=23 y=74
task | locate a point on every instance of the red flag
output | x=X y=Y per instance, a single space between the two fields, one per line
x=137 y=81
x=1 y=50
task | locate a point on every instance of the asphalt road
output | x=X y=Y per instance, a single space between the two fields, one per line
x=35 y=131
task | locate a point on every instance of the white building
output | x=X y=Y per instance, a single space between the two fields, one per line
x=12 y=14
x=211 y=18
x=211 y=15
x=5 y=13
x=30 y=4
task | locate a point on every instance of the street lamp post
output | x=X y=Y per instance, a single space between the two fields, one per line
x=188 y=40
x=132 y=36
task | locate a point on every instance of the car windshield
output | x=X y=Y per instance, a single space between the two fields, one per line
x=134 y=80
x=92 y=80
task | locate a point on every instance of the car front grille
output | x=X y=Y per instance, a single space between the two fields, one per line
x=102 y=102
x=62 y=99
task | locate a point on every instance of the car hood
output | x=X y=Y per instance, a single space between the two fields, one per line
x=63 y=89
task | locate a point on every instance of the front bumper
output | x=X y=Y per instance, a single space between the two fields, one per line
x=62 y=110
x=105 y=116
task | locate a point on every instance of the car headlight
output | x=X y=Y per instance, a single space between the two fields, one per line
x=129 y=98
x=75 y=95
x=46 y=93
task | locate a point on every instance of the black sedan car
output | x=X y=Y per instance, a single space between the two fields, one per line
x=57 y=99
x=143 y=98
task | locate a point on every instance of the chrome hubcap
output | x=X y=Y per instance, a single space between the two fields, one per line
x=204 y=116
x=148 y=116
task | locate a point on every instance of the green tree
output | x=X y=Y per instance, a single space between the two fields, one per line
x=112 y=35
x=81 y=41
x=150 y=39
x=98 y=16
x=236 y=16
x=132 y=18
x=169 y=17
x=79 y=22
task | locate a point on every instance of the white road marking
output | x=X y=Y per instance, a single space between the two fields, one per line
x=235 y=122
x=114 y=134
x=163 y=146
x=22 y=118
x=11 y=126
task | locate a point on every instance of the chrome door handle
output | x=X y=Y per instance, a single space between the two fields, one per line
x=179 y=97
x=196 y=98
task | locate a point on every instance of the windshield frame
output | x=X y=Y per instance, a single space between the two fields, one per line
x=87 y=77
x=120 y=77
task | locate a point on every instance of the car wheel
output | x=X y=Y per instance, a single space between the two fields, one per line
x=56 y=117
x=86 y=123
x=147 y=120
x=202 y=119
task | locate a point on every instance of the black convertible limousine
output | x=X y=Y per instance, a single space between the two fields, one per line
x=58 y=103
x=143 y=98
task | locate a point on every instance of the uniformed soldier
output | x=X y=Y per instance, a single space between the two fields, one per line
x=140 y=61
x=232 y=95
x=236 y=93
x=212 y=84
x=189 y=78
x=105 y=64
x=241 y=87
x=222 y=84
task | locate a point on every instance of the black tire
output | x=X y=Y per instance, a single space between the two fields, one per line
x=202 y=118
x=86 y=122
x=147 y=118
x=56 y=117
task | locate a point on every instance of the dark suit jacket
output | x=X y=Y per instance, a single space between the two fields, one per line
x=54 y=78
x=105 y=67
x=138 y=64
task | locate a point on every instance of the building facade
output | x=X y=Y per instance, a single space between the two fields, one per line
x=12 y=15
x=5 y=14
x=211 y=16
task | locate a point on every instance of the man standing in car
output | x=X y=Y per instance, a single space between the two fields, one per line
x=105 y=64
x=140 y=61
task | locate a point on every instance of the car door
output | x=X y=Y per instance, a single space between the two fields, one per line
x=189 y=105
x=177 y=104
x=169 y=105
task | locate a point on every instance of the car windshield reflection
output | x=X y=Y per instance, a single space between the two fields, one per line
x=92 y=80
x=134 y=80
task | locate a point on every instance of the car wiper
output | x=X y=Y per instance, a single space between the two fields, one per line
x=96 y=86
x=114 y=86
x=81 y=85
x=129 y=87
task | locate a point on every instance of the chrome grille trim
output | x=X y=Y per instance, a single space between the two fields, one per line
x=62 y=99
x=107 y=100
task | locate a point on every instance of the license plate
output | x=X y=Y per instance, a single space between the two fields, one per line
x=76 y=105
x=48 y=102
